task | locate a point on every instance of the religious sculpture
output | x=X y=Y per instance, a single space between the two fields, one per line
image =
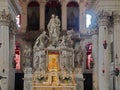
x=54 y=62
x=69 y=41
x=54 y=30
x=40 y=42
x=78 y=57
x=27 y=55
x=63 y=42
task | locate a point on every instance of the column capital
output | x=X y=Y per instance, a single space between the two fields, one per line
x=103 y=18
x=4 y=18
x=116 y=16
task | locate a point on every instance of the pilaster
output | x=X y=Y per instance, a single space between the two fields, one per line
x=103 y=53
x=42 y=15
x=64 y=15
x=116 y=40
x=95 y=58
x=82 y=18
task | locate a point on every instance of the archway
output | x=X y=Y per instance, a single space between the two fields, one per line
x=33 y=16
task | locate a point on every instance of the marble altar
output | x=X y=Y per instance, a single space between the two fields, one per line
x=53 y=63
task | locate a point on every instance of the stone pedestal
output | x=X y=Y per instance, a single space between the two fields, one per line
x=79 y=81
x=28 y=78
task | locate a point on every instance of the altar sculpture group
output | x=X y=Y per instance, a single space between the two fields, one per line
x=53 y=57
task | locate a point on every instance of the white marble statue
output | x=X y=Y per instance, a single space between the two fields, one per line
x=39 y=60
x=40 y=41
x=51 y=25
x=27 y=51
x=78 y=57
x=69 y=41
x=54 y=30
x=27 y=55
x=62 y=43
x=57 y=24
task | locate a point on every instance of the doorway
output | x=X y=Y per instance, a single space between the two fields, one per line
x=19 y=81
x=88 y=81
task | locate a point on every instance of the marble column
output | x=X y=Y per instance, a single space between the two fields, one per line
x=103 y=54
x=95 y=58
x=117 y=47
x=64 y=15
x=42 y=15
x=4 y=50
x=11 y=53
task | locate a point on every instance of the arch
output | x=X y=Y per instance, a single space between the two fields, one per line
x=73 y=16
x=33 y=16
x=52 y=7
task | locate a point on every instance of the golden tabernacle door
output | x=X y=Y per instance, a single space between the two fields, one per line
x=53 y=61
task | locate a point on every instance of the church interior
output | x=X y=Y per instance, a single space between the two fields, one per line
x=59 y=44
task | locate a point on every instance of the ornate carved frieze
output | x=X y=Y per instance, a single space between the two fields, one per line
x=4 y=18
x=103 y=18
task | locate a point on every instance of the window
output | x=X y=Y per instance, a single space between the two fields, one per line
x=18 y=20
x=88 y=20
x=73 y=16
x=33 y=16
